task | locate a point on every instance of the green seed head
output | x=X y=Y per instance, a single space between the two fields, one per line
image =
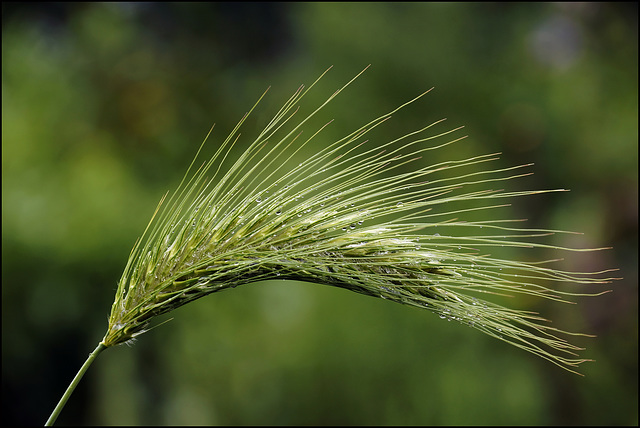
x=369 y=216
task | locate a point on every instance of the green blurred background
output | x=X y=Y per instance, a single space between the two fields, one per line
x=104 y=106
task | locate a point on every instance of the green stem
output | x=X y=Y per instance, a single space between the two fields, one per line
x=76 y=380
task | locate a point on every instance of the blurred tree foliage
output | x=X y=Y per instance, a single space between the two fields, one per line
x=104 y=105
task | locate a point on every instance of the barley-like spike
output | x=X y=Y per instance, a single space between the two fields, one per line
x=348 y=216
x=352 y=215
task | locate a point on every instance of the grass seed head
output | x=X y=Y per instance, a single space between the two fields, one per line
x=366 y=216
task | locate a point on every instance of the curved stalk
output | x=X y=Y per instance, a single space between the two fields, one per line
x=76 y=380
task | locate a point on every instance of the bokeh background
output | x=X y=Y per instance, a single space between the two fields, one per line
x=104 y=106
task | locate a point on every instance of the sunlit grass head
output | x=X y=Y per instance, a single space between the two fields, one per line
x=375 y=217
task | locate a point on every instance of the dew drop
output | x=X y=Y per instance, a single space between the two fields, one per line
x=278 y=212
x=399 y=204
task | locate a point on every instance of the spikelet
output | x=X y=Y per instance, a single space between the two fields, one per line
x=369 y=217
